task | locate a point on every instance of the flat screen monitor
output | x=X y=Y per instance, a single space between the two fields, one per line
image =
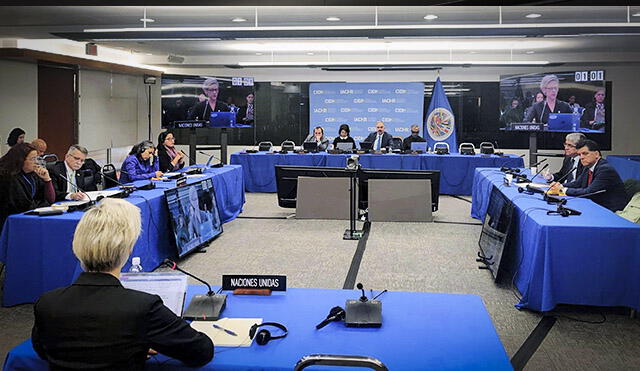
x=310 y=146
x=287 y=180
x=366 y=145
x=419 y=146
x=366 y=174
x=194 y=215
x=344 y=146
x=495 y=230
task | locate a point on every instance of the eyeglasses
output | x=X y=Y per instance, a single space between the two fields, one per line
x=569 y=145
x=415 y=132
x=552 y=88
x=170 y=138
x=79 y=159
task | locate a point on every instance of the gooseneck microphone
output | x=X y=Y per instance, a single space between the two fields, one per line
x=211 y=157
x=363 y=298
x=91 y=202
x=174 y=266
x=551 y=199
x=539 y=162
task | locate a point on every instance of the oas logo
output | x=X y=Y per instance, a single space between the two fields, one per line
x=440 y=123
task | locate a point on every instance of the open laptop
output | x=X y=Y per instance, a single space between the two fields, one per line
x=563 y=122
x=310 y=146
x=344 y=147
x=366 y=145
x=419 y=146
x=222 y=119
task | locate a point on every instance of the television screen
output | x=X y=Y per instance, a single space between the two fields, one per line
x=287 y=180
x=560 y=101
x=366 y=174
x=194 y=215
x=208 y=98
x=495 y=230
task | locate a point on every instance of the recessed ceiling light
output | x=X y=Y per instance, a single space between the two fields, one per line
x=529 y=52
x=533 y=15
x=147 y=20
x=333 y=19
x=637 y=14
x=430 y=17
x=239 y=19
x=310 y=53
x=473 y=52
x=148 y=54
x=258 y=53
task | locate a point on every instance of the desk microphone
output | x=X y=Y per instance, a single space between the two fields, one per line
x=539 y=162
x=551 y=199
x=363 y=312
x=211 y=157
x=146 y=187
x=91 y=202
x=527 y=180
x=202 y=307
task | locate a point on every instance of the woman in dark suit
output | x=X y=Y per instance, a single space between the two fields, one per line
x=96 y=323
x=24 y=184
x=169 y=157
x=344 y=137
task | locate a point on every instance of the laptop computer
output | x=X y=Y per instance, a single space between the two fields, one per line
x=419 y=146
x=310 y=146
x=563 y=122
x=344 y=147
x=366 y=145
x=222 y=119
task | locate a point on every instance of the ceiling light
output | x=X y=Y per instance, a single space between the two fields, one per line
x=430 y=17
x=239 y=19
x=147 y=20
x=333 y=19
x=310 y=53
x=148 y=54
x=533 y=15
x=390 y=63
x=529 y=52
x=258 y=53
x=637 y=14
x=473 y=52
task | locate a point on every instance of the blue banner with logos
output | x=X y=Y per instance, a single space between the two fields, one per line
x=359 y=105
x=439 y=124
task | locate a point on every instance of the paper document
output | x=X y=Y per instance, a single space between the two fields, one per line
x=221 y=338
x=541 y=186
x=171 y=287
x=167 y=175
x=95 y=194
x=195 y=176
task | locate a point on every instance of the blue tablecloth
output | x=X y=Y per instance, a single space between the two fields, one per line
x=590 y=259
x=420 y=331
x=37 y=250
x=456 y=171
x=625 y=166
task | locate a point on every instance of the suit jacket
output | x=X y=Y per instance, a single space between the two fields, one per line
x=165 y=160
x=97 y=324
x=242 y=113
x=16 y=194
x=589 y=114
x=202 y=110
x=567 y=165
x=539 y=112
x=86 y=179
x=134 y=168
x=386 y=139
x=604 y=177
x=322 y=146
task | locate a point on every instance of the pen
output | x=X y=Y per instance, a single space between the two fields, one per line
x=225 y=330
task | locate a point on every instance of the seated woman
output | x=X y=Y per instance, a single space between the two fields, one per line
x=140 y=165
x=169 y=157
x=343 y=137
x=24 y=184
x=318 y=137
x=96 y=323
x=16 y=136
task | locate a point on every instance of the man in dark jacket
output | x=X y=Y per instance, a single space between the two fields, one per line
x=82 y=174
x=379 y=138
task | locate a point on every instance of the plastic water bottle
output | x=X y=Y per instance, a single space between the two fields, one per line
x=135 y=265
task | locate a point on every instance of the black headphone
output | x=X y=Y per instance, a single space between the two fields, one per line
x=143 y=146
x=264 y=336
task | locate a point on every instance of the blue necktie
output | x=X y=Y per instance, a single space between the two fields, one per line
x=378 y=142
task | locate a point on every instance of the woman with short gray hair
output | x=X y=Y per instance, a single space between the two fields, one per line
x=550 y=86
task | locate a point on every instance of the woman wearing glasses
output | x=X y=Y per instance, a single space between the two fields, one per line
x=539 y=112
x=24 y=184
x=169 y=157
x=140 y=164
x=209 y=103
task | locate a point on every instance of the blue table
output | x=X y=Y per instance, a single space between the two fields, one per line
x=37 y=250
x=627 y=166
x=456 y=171
x=590 y=259
x=420 y=331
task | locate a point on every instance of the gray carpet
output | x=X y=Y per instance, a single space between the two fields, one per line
x=432 y=257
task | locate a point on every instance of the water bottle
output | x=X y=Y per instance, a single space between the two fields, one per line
x=135 y=265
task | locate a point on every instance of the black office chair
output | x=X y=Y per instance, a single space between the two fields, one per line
x=265 y=146
x=396 y=143
x=91 y=172
x=109 y=176
x=631 y=187
x=287 y=145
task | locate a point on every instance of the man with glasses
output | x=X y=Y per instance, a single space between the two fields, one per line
x=73 y=168
x=571 y=160
x=202 y=110
x=550 y=86
x=414 y=137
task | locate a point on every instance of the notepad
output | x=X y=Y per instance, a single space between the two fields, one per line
x=220 y=338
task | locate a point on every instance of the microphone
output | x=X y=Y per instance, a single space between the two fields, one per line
x=585 y=195
x=527 y=180
x=91 y=202
x=506 y=169
x=363 y=298
x=201 y=307
x=335 y=314
x=539 y=162
x=363 y=312
x=551 y=199
x=211 y=157
x=146 y=187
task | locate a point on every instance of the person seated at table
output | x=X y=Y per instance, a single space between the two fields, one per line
x=24 y=184
x=40 y=145
x=169 y=157
x=209 y=103
x=344 y=137
x=96 y=323
x=318 y=137
x=414 y=137
x=140 y=164
x=571 y=160
x=76 y=180
x=597 y=175
x=16 y=136
x=550 y=85
x=594 y=116
x=379 y=138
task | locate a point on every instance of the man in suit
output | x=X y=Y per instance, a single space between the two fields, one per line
x=75 y=168
x=597 y=175
x=379 y=138
x=593 y=116
x=571 y=160
x=414 y=137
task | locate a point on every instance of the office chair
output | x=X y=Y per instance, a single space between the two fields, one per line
x=441 y=148
x=396 y=143
x=265 y=146
x=466 y=149
x=109 y=176
x=487 y=148
x=287 y=145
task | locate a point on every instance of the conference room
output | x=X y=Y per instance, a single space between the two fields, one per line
x=365 y=185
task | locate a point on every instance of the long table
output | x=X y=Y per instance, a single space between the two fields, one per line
x=456 y=171
x=590 y=259
x=627 y=166
x=420 y=331
x=37 y=250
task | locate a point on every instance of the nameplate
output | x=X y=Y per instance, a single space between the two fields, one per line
x=190 y=124
x=273 y=283
x=527 y=126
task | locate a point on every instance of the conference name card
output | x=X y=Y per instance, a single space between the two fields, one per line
x=273 y=283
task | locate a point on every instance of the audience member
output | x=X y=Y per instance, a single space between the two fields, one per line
x=513 y=113
x=24 y=184
x=571 y=160
x=246 y=113
x=140 y=165
x=318 y=137
x=169 y=157
x=40 y=146
x=73 y=169
x=593 y=116
x=344 y=137
x=414 y=137
x=96 y=323
x=379 y=138
x=538 y=98
x=16 y=136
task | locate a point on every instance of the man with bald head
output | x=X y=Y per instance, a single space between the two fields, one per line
x=379 y=138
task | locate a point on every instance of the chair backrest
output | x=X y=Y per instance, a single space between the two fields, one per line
x=109 y=176
x=631 y=187
x=287 y=145
x=265 y=146
x=487 y=148
x=467 y=149
x=441 y=147
x=396 y=143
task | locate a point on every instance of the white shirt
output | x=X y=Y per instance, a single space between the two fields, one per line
x=574 y=166
x=71 y=175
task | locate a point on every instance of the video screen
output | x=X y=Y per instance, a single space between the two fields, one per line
x=223 y=101
x=574 y=101
x=194 y=215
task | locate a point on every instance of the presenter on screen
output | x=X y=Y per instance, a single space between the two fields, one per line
x=414 y=137
x=169 y=157
x=318 y=137
x=246 y=113
x=140 y=164
x=97 y=324
x=593 y=116
x=540 y=111
x=571 y=160
x=597 y=175
x=344 y=137
x=379 y=138
x=24 y=184
x=202 y=110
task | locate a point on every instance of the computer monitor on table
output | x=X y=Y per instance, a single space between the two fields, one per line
x=419 y=146
x=310 y=146
x=366 y=145
x=344 y=146
x=287 y=180
x=364 y=175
